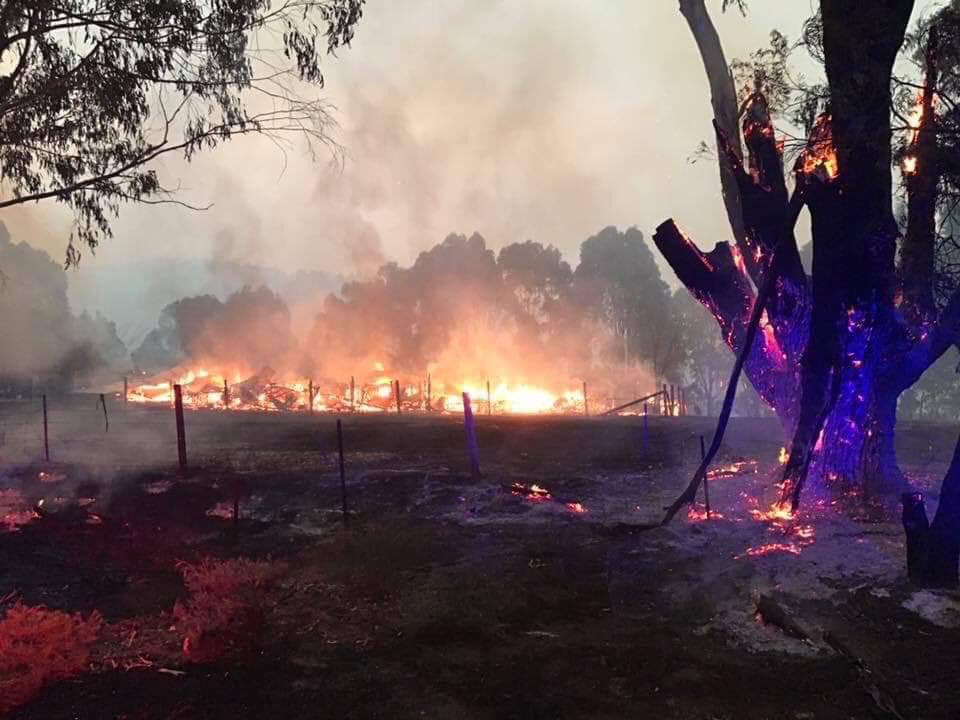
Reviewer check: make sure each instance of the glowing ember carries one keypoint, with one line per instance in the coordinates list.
(783, 456)
(738, 259)
(777, 512)
(14, 512)
(698, 513)
(731, 469)
(915, 119)
(769, 549)
(576, 507)
(771, 345)
(819, 158)
(534, 493)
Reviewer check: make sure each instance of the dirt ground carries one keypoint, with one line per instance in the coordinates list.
(444, 597)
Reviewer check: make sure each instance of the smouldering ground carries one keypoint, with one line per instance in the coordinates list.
(448, 598)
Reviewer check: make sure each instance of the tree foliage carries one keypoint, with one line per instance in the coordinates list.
(93, 91)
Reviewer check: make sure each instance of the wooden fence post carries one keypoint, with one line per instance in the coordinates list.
(106, 420)
(473, 450)
(181, 431)
(706, 487)
(46, 437)
(343, 473)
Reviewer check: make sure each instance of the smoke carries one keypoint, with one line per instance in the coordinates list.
(247, 333)
(45, 345)
(545, 119)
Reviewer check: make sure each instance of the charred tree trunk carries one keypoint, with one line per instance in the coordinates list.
(933, 549)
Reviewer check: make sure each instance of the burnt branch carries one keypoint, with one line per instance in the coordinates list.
(758, 311)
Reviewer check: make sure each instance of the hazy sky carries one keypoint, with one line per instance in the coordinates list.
(520, 119)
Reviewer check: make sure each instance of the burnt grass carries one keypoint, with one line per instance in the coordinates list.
(416, 607)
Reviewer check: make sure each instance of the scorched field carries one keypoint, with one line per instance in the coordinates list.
(239, 588)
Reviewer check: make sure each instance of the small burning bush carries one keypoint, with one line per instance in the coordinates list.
(225, 612)
(40, 646)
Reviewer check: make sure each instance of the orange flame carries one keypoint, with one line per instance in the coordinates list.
(819, 158)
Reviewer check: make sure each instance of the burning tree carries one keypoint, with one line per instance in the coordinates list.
(832, 352)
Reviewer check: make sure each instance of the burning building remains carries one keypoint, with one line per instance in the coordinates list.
(519, 330)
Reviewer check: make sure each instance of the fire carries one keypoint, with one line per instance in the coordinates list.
(771, 345)
(783, 456)
(734, 468)
(265, 391)
(698, 513)
(769, 549)
(534, 493)
(915, 120)
(14, 511)
(576, 507)
(777, 512)
(819, 158)
(738, 259)
(521, 399)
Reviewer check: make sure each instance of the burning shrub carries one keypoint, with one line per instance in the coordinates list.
(227, 606)
(39, 646)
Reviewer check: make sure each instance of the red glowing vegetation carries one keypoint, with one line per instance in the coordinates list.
(228, 603)
(39, 646)
(14, 511)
